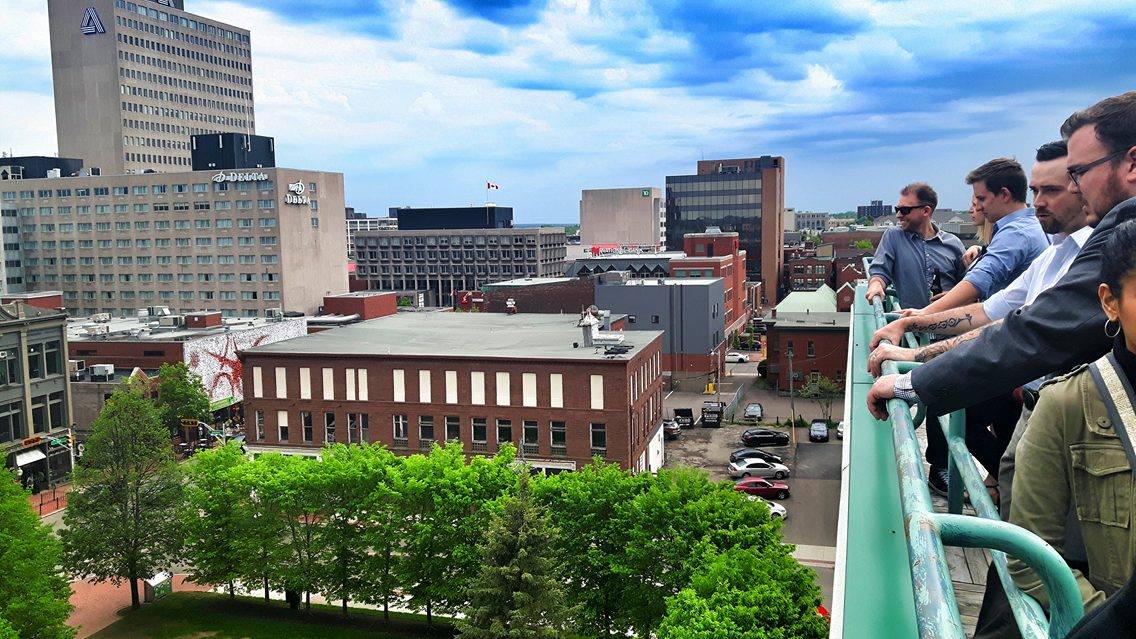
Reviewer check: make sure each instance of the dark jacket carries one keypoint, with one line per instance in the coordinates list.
(1064, 327)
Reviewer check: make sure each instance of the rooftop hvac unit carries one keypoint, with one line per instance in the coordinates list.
(171, 320)
(100, 317)
(97, 329)
(76, 369)
(54, 173)
(158, 311)
(102, 372)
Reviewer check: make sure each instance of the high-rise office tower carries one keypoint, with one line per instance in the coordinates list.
(744, 195)
(133, 80)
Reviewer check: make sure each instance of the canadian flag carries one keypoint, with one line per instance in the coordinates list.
(490, 185)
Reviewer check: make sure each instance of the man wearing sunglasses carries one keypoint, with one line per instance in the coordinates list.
(917, 255)
(1063, 327)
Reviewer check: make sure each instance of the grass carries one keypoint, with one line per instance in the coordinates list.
(199, 615)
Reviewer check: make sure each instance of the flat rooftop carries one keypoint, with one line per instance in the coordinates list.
(474, 335)
(139, 329)
(833, 321)
(669, 281)
(633, 255)
(532, 281)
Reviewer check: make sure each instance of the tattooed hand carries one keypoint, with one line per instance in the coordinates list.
(885, 352)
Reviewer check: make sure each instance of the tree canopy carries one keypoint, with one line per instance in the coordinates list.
(180, 396)
(34, 594)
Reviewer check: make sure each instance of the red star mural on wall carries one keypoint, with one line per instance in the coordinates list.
(229, 369)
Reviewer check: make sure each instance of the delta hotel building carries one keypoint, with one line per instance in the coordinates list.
(144, 94)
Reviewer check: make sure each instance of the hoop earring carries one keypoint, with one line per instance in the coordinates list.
(1113, 334)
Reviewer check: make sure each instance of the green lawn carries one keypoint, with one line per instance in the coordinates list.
(201, 615)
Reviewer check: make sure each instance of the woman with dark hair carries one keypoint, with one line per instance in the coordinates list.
(1077, 449)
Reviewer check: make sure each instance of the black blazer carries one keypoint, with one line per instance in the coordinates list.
(1063, 328)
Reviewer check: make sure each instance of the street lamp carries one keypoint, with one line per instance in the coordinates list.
(792, 401)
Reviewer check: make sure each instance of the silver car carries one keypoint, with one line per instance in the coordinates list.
(754, 412)
(753, 467)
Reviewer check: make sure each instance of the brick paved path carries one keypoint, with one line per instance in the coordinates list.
(97, 605)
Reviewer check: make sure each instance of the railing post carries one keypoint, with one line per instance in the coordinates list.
(955, 431)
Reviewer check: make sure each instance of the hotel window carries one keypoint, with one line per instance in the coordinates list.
(453, 428)
(329, 428)
(282, 425)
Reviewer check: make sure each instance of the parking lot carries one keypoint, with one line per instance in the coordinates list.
(814, 481)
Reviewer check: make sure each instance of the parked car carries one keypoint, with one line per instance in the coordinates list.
(754, 411)
(840, 430)
(671, 429)
(712, 414)
(818, 431)
(757, 468)
(763, 488)
(776, 510)
(734, 356)
(754, 437)
(755, 453)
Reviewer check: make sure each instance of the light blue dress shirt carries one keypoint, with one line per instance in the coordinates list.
(1018, 240)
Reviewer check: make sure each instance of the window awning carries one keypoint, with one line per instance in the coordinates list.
(29, 456)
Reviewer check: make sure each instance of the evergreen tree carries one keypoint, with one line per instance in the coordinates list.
(517, 594)
(33, 592)
(121, 518)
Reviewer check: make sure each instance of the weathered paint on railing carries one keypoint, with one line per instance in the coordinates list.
(933, 603)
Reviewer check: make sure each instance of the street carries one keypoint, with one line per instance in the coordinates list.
(815, 467)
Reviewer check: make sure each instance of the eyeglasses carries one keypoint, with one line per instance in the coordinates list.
(1076, 171)
(904, 210)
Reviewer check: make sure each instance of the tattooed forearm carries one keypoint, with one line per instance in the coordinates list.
(950, 322)
(931, 351)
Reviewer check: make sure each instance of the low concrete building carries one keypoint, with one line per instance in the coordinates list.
(562, 393)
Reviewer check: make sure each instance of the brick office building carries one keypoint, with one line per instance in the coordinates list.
(414, 379)
(806, 328)
(717, 254)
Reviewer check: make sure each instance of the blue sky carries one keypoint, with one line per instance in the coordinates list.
(419, 102)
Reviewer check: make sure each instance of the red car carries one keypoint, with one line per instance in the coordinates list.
(762, 487)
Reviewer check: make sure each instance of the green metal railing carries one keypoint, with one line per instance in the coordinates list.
(931, 609)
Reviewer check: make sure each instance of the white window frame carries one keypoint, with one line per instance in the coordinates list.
(597, 392)
(528, 389)
(502, 388)
(350, 377)
(477, 388)
(305, 383)
(556, 390)
(451, 387)
(257, 382)
(424, 386)
(281, 382)
(399, 377)
(328, 384)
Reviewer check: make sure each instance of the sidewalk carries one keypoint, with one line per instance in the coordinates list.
(97, 605)
(50, 501)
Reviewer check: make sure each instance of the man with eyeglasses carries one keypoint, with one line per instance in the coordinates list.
(1064, 326)
(917, 256)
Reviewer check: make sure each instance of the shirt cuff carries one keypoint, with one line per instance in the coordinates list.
(904, 390)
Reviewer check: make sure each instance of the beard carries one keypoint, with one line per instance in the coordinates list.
(1112, 194)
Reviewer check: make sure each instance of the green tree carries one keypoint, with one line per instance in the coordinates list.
(587, 507)
(356, 499)
(517, 594)
(293, 485)
(670, 526)
(121, 519)
(34, 593)
(384, 531)
(263, 548)
(746, 593)
(180, 396)
(441, 498)
(824, 392)
(215, 517)
(862, 244)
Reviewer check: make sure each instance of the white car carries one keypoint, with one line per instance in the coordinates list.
(754, 467)
(776, 510)
(736, 357)
(840, 430)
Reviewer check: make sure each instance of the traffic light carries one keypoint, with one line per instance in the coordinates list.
(70, 441)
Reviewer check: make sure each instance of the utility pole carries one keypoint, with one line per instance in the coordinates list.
(792, 402)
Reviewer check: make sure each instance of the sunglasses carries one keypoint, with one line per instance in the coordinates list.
(1076, 171)
(904, 210)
